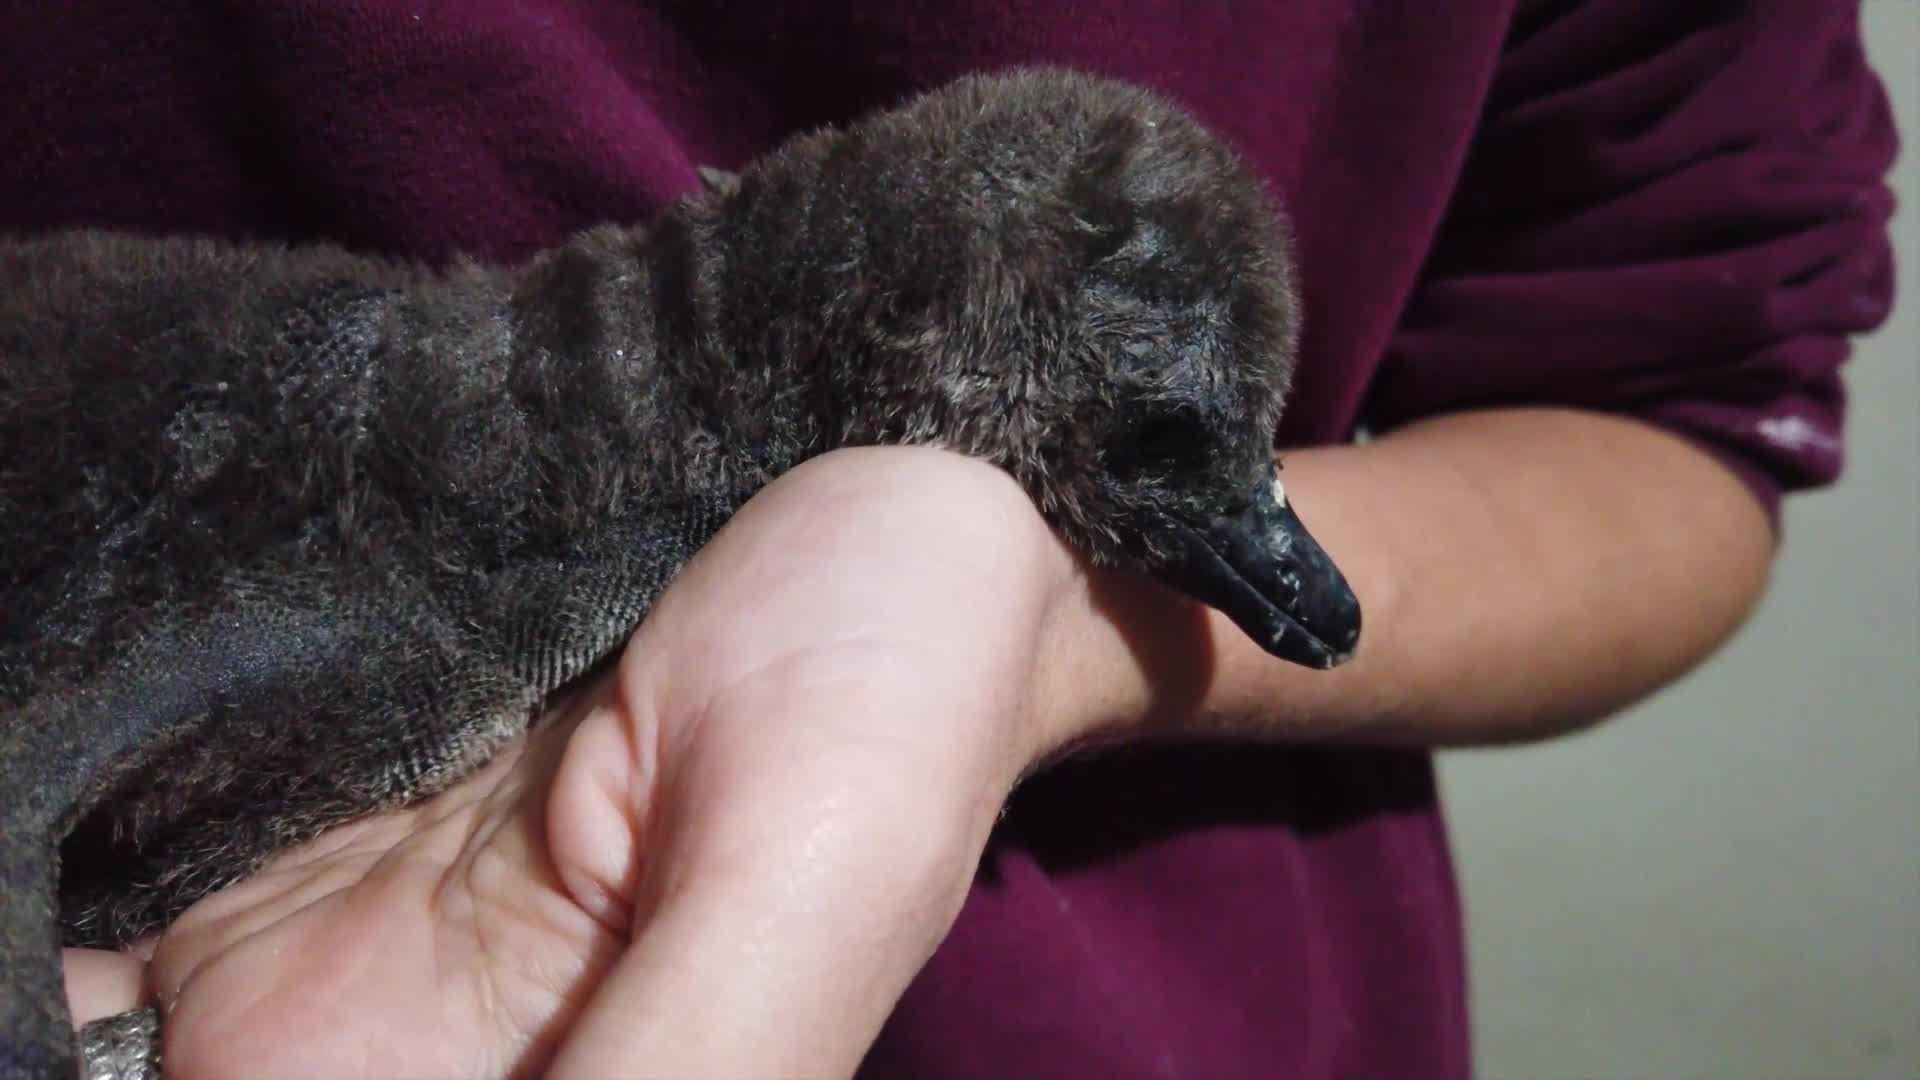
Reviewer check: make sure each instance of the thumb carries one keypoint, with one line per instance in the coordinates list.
(794, 886)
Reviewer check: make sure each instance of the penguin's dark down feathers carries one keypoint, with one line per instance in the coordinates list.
(292, 535)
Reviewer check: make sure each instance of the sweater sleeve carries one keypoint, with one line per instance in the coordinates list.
(1676, 212)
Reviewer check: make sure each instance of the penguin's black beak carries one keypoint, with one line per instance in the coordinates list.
(1261, 568)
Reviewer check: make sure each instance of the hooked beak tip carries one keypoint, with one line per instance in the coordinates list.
(1266, 572)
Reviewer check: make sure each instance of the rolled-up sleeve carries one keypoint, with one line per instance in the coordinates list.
(1676, 212)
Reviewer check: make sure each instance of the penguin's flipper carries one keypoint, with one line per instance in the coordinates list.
(332, 697)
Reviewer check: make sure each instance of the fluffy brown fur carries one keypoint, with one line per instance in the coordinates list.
(291, 535)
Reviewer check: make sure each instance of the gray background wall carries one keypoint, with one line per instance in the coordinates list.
(1725, 881)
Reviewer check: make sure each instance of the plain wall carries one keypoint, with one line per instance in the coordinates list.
(1725, 881)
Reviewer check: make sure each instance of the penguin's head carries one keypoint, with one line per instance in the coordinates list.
(1157, 337)
(1149, 435)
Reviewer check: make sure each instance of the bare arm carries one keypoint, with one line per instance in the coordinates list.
(1522, 572)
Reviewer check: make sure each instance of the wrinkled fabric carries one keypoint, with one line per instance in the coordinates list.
(1674, 212)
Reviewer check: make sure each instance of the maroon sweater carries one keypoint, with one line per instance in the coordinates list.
(1673, 211)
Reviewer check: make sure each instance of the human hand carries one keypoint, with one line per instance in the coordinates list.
(727, 859)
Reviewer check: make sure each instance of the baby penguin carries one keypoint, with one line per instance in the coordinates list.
(291, 536)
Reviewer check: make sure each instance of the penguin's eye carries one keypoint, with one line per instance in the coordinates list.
(1168, 437)
(1163, 442)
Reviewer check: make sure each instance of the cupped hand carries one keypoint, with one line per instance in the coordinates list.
(727, 859)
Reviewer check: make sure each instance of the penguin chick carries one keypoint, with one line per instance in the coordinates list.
(289, 536)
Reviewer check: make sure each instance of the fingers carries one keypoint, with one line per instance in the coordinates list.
(101, 983)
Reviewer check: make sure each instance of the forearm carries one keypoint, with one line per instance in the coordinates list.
(1521, 573)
